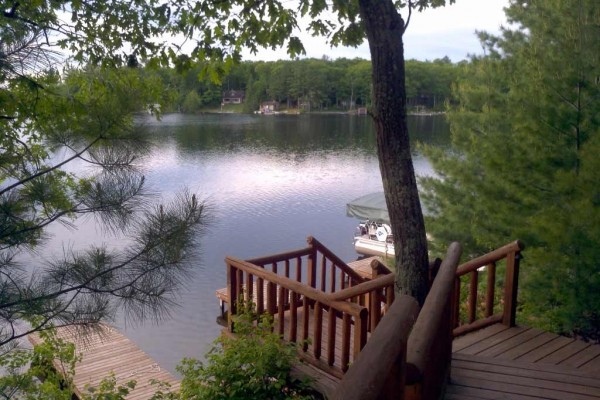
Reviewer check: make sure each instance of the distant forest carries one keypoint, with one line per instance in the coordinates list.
(308, 84)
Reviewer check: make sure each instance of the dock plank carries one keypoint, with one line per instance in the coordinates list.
(107, 351)
(363, 266)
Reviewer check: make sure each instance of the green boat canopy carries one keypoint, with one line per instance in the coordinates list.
(371, 206)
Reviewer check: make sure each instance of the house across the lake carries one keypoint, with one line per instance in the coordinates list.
(268, 107)
(233, 96)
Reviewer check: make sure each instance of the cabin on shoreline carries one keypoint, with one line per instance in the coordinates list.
(233, 97)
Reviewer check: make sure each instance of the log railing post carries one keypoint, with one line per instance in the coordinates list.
(429, 348)
(318, 330)
(473, 295)
(511, 288)
(511, 255)
(491, 289)
(312, 264)
(360, 331)
(232, 294)
(456, 303)
(379, 371)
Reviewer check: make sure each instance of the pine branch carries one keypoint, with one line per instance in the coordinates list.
(50, 169)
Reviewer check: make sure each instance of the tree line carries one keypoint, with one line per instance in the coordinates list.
(311, 84)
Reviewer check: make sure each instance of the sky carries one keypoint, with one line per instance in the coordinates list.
(433, 33)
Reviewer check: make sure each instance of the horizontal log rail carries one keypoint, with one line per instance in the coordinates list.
(288, 255)
(327, 255)
(380, 282)
(314, 265)
(380, 369)
(377, 294)
(284, 294)
(430, 342)
(511, 255)
(400, 363)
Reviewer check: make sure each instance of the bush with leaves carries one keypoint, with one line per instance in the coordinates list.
(255, 364)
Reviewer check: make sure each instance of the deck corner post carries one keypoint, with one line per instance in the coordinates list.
(231, 293)
(511, 288)
(360, 331)
(312, 261)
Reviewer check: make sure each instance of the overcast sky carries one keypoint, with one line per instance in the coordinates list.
(434, 33)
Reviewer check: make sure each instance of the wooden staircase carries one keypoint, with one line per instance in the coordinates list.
(359, 342)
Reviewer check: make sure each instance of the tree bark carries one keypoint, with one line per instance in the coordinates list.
(384, 27)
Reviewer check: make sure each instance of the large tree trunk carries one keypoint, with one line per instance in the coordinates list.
(385, 27)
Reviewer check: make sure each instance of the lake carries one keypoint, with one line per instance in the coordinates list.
(271, 182)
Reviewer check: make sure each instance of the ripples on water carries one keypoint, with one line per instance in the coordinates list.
(272, 181)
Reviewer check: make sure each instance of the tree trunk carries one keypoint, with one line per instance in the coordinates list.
(384, 27)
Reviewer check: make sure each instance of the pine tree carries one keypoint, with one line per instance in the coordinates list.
(524, 159)
(87, 114)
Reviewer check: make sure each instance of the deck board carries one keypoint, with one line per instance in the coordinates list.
(491, 341)
(584, 356)
(548, 348)
(462, 342)
(109, 351)
(499, 349)
(565, 352)
(527, 369)
(593, 366)
(528, 346)
(523, 363)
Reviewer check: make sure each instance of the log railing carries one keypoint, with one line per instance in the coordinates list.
(480, 312)
(315, 265)
(396, 365)
(379, 371)
(313, 315)
(377, 294)
(430, 342)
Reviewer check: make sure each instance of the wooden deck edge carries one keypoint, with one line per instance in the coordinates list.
(316, 378)
(550, 368)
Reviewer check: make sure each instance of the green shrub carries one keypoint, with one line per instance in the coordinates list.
(255, 364)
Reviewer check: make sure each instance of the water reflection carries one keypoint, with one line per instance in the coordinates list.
(272, 180)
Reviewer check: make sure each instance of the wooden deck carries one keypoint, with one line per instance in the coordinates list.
(510, 363)
(109, 351)
(523, 363)
(497, 362)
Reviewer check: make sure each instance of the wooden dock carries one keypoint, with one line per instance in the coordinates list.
(109, 351)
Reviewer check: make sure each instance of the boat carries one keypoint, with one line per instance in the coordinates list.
(373, 236)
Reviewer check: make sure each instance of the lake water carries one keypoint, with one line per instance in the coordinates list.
(272, 181)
